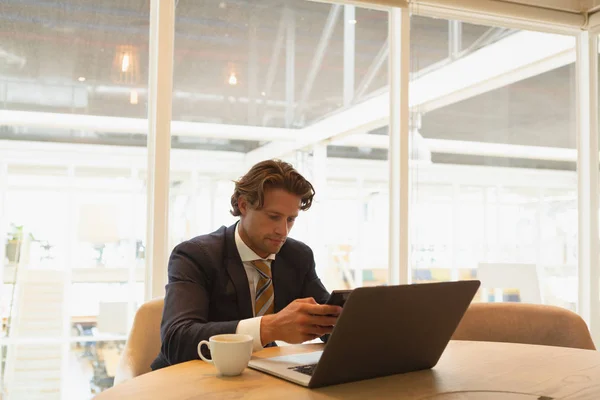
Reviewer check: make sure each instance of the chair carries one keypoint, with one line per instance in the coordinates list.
(524, 323)
(143, 343)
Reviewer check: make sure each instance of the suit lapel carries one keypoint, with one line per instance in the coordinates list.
(237, 274)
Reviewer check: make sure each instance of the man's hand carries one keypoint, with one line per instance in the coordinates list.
(300, 321)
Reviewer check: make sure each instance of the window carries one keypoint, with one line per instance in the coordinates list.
(256, 76)
(493, 177)
(73, 93)
(497, 143)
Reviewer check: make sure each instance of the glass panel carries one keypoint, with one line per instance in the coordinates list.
(512, 210)
(432, 237)
(93, 365)
(73, 94)
(252, 66)
(559, 247)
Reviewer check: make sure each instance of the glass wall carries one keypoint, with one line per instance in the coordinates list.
(73, 93)
(493, 164)
(492, 159)
(250, 75)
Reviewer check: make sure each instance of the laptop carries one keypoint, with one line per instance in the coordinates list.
(381, 331)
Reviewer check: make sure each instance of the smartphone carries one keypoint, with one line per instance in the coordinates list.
(338, 297)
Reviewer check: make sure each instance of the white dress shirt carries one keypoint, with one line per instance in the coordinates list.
(250, 326)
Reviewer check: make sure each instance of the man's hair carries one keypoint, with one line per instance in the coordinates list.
(271, 174)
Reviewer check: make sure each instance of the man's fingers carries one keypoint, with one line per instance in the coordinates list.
(321, 320)
(323, 309)
(313, 320)
(307, 300)
(319, 330)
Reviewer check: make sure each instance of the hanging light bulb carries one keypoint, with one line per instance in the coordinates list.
(232, 79)
(125, 63)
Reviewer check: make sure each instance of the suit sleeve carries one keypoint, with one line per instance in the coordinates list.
(185, 315)
(313, 287)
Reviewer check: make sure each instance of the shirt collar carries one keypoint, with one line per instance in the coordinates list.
(246, 253)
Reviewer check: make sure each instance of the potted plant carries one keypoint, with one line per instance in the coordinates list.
(14, 243)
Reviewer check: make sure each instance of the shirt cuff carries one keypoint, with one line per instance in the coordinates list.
(251, 326)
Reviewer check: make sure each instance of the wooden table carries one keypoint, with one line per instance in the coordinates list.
(467, 370)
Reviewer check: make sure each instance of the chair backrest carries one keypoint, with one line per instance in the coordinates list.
(524, 323)
(143, 343)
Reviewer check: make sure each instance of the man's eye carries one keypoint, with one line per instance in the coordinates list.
(274, 217)
(291, 219)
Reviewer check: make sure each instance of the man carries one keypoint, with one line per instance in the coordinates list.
(250, 277)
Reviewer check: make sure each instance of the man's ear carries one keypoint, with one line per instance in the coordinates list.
(243, 205)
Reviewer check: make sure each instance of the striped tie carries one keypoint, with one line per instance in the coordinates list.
(264, 301)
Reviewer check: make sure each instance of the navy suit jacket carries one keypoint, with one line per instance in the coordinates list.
(208, 291)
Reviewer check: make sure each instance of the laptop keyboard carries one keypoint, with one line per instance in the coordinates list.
(305, 369)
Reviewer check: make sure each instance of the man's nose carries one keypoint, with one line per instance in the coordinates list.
(282, 228)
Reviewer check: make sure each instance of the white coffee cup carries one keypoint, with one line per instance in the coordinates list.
(230, 352)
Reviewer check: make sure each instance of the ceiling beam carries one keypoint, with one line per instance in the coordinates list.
(34, 85)
(349, 54)
(372, 72)
(252, 70)
(127, 126)
(219, 131)
(275, 56)
(315, 64)
(558, 60)
(290, 66)
(592, 5)
(40, 155)
(446, 146)
(12, 58)
(43, 154)
(514, 58)
(489, 36)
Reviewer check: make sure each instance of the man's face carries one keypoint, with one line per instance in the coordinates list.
(266, 230)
